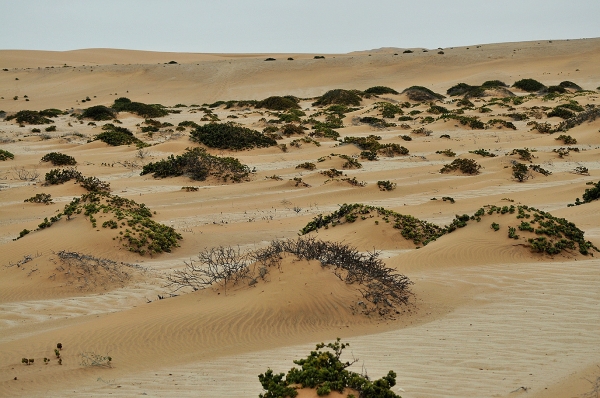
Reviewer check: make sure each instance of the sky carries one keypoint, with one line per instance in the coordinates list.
(288, 26)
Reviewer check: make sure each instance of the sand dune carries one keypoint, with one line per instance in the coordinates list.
(488, 316)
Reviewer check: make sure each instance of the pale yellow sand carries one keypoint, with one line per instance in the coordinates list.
(487, 318)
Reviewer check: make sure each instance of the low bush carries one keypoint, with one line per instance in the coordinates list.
(386, 185)
(60, 176)
(325, 372)
(493, 84)
(198, 165)
(588, 115)
(388, 110)
(420, 93)
(448, 152)
(529, 85)
(50, 128)
(524, 154)
(339, 96)
(379, 90)
(116, 136)
(277, 103)
(307, 166)
(230, 136)
(561, 112)
(520, 171)
(465, 166)
(471, 121)
(556, 90)
(590, 194)
(30, 117)
(501, 122)
(463, 89)
(40, 198)
(144, 110)
(571, 85)
(59, 159)
(371, 144)
(437, 110)
(99, 112)
(483, 152)
(566, 139)
(537, 168)
(5, 155)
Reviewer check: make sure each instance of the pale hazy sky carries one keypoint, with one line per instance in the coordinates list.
(312, 26)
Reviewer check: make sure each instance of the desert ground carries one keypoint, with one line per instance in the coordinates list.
(489, 314)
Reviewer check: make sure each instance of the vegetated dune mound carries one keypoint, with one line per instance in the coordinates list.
(420, 93)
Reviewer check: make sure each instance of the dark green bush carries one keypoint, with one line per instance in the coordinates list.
(198, 165)
(437, 110)
(556, 90)
(483, 152)
(407, 52)
(40, 198)
(561, 112)
(144, 110)
(59, 159)
(493, 84)
(519, 171)
(50, 128)
(339, 96)
(230, 136)
(307, 166)
(116, 136)
(448, 152)
(529, 85)
(571, 85)
(29, 117)
(465, 166)
(379, 90)
(420, 93)
(573, 106)
(60, 176)
(460, 89)
(5, 155)
(386, 185)
(99, 112)
(278, 103)
(471, 121)
(567, 139)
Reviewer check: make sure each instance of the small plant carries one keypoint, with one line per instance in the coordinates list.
(483, 152)
(566, 139)
(512, 233)
(57, 352)
(447, 152)
(581, 170)
(537, 168)
(529, 85)
(495, 226)
(407, 137)
(421, 94)
(189, 189)
(386, 185)
(519, 171)
(448, 199)
(5, 155)
(116, 136)
(50, 128)
(40, 198)
(59, 159)
(465, 166)
(379, 90)
(306, 166)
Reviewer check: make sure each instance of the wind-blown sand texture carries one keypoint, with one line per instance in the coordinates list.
(489, 317)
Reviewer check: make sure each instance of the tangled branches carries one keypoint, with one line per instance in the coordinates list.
(378, 284)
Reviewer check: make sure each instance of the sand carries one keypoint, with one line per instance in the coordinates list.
(488, 317)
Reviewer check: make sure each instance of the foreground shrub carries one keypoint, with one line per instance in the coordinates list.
(566, 139)
(325, 372)
(520, 171)
(339, 96)
(590, 194)
(529, 85)
(5, 155)
(278, 103)
(420, 93)
(230, 136)
(561, 112)
(40, 198)
(116, 136)
(99, 112)
(465, 166)
(198, 165)
(379, 90)
(589, 115)
(60, 176)
(144, 110)
(59, 159)
(30, 117)
(386, 185)
(371, 144)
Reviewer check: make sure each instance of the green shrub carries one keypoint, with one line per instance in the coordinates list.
(471, 121)
(571, 85)
(561, 112)
(5, 155)
(50, 128)
(230, 136)
(373, 121)
(30, 117)
(448, 152)
(339, 96)
(567, 139)
(538, 169)
(386, 185)
(483, 152)
(99, 112)
(462, 89)
(465, 166)
(198, 165)
(495, 226)
(144, 110)
(524, 154)
(291, 129)
(307, 166)
(60, 176)
(437, 110)
(407, 52)
(40, 198)
(379, 90)
(529, 85)
(519, 171)
(556, 90)
(277, 103)
(116, 136)
(493, 84)
(504, 123)
(388, 110)
(59, 159)
(420, 93)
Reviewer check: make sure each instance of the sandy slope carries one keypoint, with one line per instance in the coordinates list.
(488, 316)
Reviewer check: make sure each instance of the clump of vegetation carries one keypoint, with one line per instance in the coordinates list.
(32, 117)
(471, 121)
(570, 85)
(561, 112)
(406, 137)
(483, 152)
(524, 154)
(59, 159)
(189, 189)
(307, 166)
(422, 131)
(198, 165)
(5, 155)
(589, 115)
(339, 96)
(411, 228)
(325, 372)
(529, 85)
(437, 110)
(520, 171)
(375, 122)
(99, 112)
(40, 198)
(465, 166)
(421, 94)
(465, 89)
(144, 110)
(386, 185)
(448, 152)
(332, 173)
(566, 139)
(379, 90)
(277, 103)
(501, 122)
(544, 128)
(538, 169)
(50, 128)
(60, 176)
(590, 194)
(230, 136)
(116, 136)
(372, 145)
